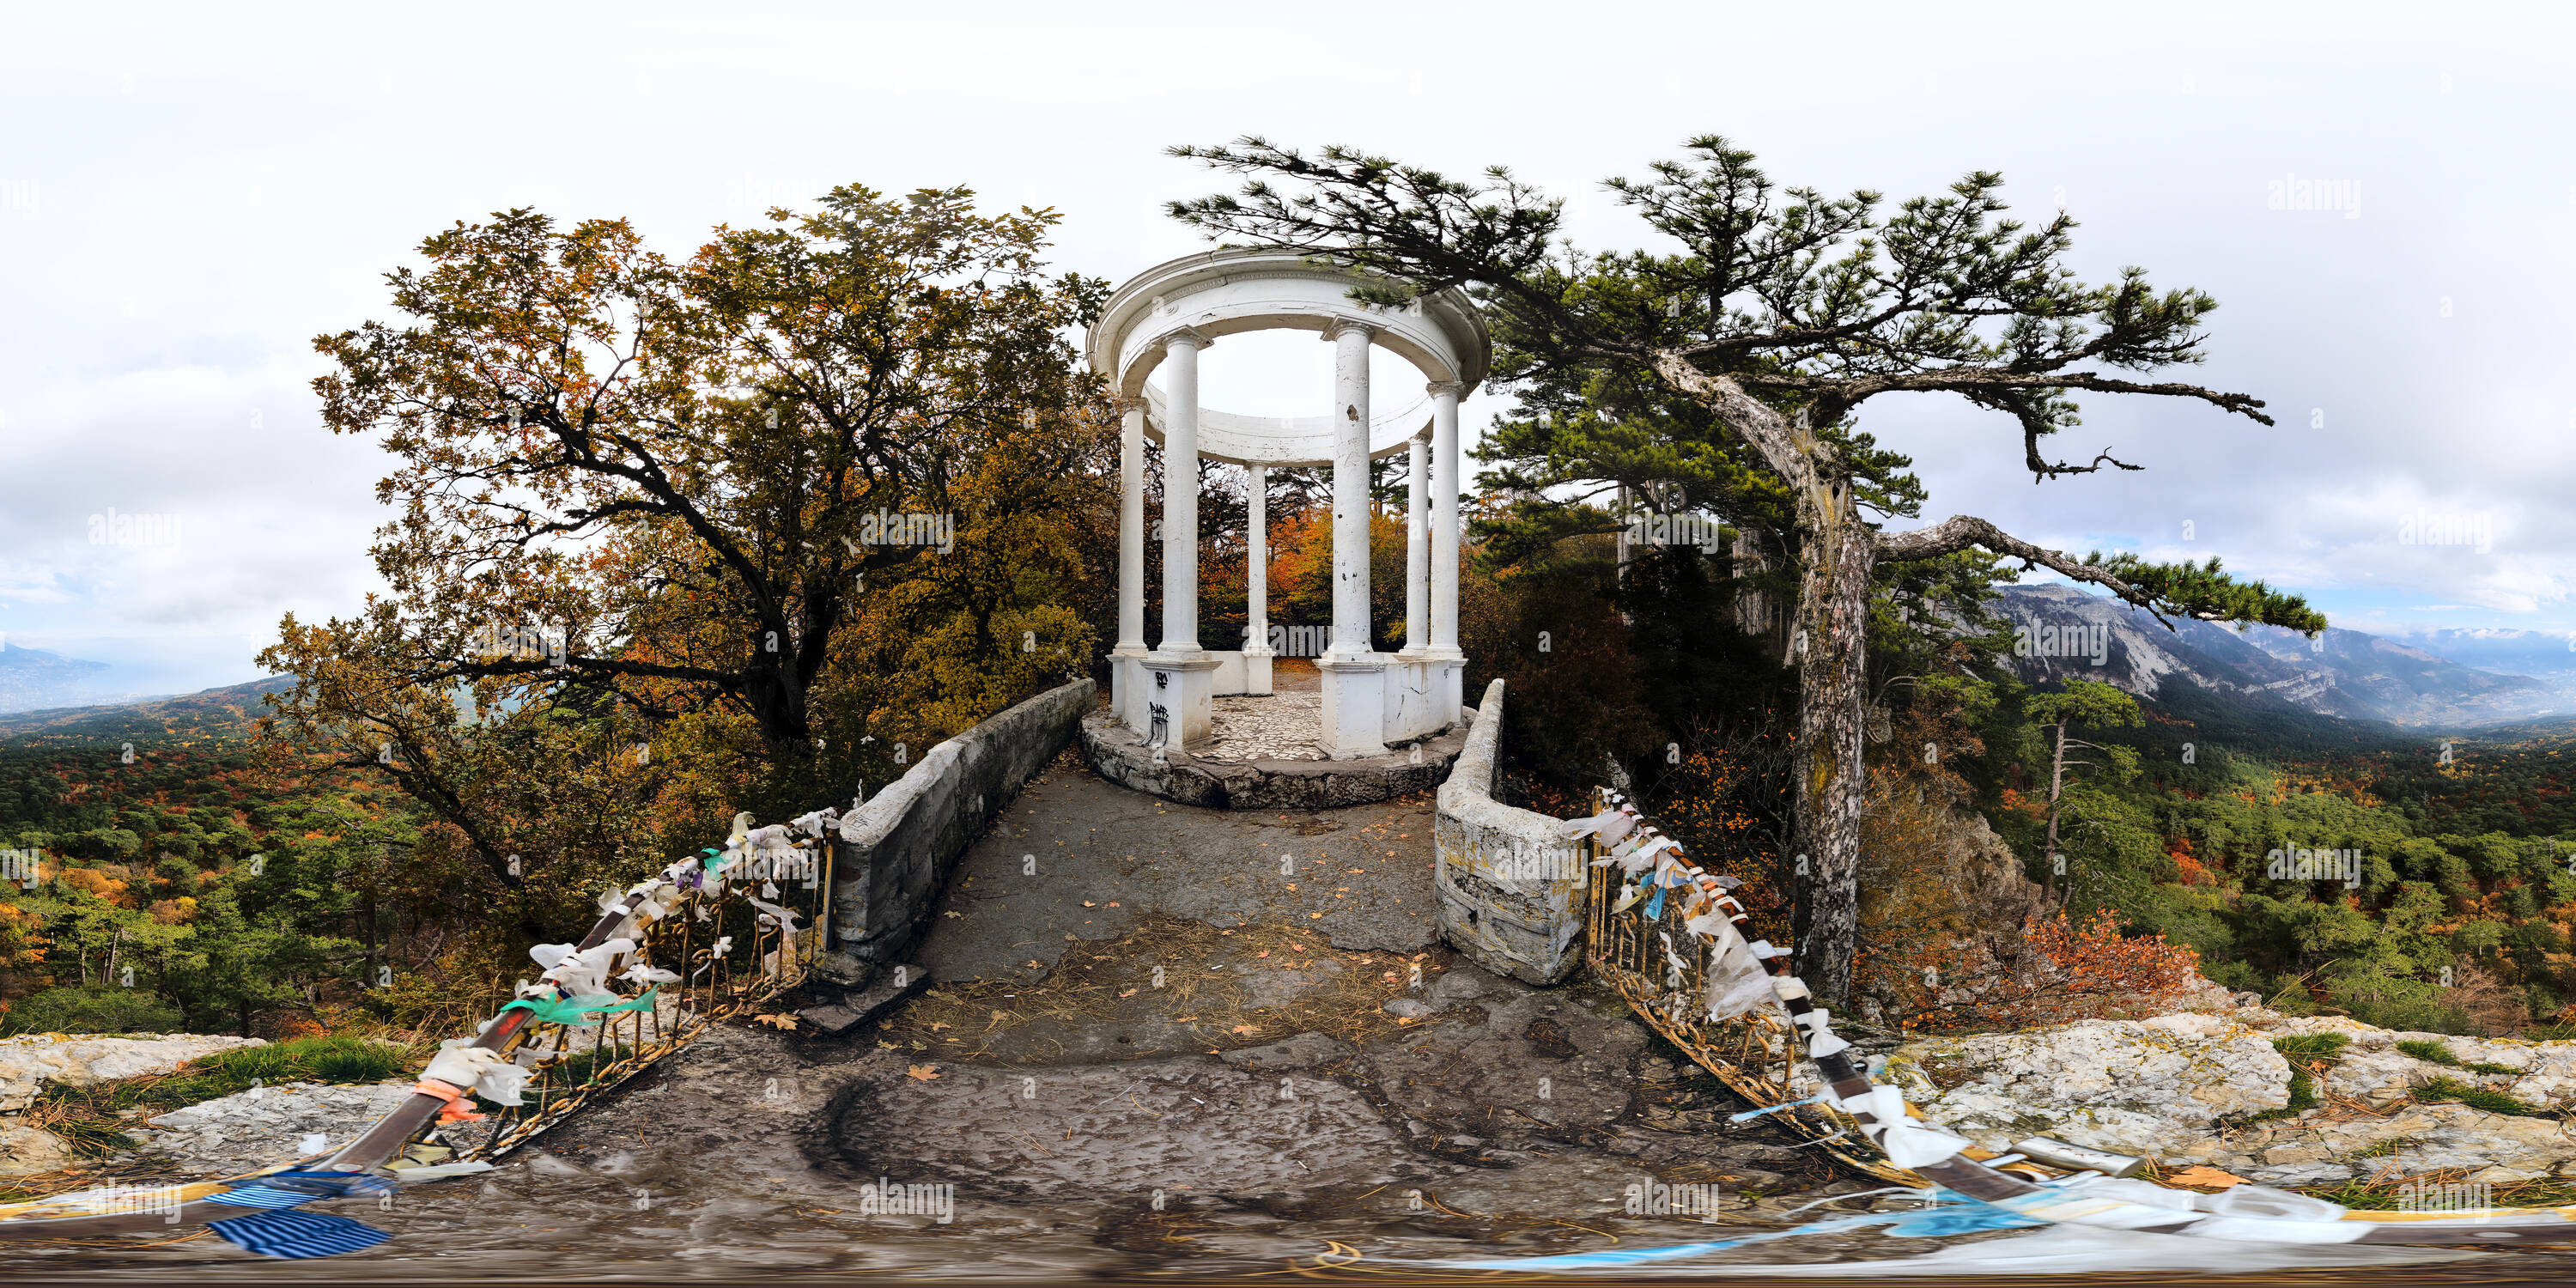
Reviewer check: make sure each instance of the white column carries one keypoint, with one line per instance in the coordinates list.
(1353, 673)
(1448, 666)
(1351, 636)
(1178, 679)
(1257, 652)
(1125, 679)
(1417, 548)
(1181, 493)
(1445, 532)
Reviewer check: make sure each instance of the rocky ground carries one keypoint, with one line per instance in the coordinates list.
(266, 1126)
(1159, 1034)
(29, 1061)
(2212, 1090)
(1156, 1036)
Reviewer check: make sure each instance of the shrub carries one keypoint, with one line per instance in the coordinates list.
(91, 1009)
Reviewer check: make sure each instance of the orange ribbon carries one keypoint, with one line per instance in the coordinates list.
(455, 1112)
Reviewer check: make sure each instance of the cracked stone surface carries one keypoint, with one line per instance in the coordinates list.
(265, 1126)
(1287, 725)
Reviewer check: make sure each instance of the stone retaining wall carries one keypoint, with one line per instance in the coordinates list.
(1508, 887)
(896, 850)
(1123, 758)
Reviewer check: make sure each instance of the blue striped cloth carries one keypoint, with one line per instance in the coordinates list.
(263, 1196)
(290, 1235)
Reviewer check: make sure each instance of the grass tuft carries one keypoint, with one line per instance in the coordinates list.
(2444, 1091)
(2440, 1053)
(2301, 1051)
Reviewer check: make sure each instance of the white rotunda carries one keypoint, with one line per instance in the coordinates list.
(1147, 344)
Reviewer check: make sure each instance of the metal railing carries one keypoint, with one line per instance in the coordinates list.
(729, 957)
(1660, 968)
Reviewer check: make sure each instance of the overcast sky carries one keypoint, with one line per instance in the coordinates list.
(189, 194)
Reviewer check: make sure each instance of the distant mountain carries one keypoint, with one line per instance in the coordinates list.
(32, 678)
(2351, 675)
(214, 713)
(2547, 656)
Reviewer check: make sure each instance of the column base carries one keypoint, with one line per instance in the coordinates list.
(1126, 684)
(1355, 695)
(1256, 669)
(1178, 691)
(1446, 677)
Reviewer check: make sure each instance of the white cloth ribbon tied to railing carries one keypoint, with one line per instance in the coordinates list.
(1607, 826)
(485, 1072)
(583, 973)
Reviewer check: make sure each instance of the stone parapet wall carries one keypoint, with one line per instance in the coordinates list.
(895, 851)
(1508, 886)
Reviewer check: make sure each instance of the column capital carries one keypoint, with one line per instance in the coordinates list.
(1191, 336)
(1127, 405)
(1334, 328)
(1453, 388)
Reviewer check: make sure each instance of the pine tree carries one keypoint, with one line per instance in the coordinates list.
(1781, 314)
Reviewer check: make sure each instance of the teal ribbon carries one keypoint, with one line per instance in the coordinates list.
(578, 1010)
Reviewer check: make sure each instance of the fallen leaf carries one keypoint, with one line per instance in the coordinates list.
(1089, 904)
(1185, 1019)
(1113, 905)
(1245, 1029)
(777, 1021)
(937, 1025)
(2199, 1175)
(952, 913)
(1263, 953)
(924, 1072)
(1129, 993)
(1316, 916)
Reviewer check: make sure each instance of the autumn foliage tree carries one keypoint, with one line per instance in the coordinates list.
(643, 552)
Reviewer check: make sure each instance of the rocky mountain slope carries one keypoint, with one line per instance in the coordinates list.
(213, 713)
(2066, 633)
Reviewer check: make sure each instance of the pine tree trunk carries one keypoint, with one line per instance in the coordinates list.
(1831, 645)
(1829, 642)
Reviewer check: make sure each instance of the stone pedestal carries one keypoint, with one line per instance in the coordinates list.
(1179, 692)
(1445, 674)
(1355, 704)
(1256, 669)
(1127, 684)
